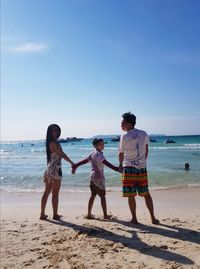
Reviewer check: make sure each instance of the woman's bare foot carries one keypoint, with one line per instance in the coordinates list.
(43, 217)
(155, 221)
(89, 217)
(57, 217)
(134, 221)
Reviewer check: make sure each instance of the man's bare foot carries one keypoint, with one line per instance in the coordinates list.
(89, 217)
(57, 217)
(134, 221)
(108, 217)
(155, 221)
(43, 217)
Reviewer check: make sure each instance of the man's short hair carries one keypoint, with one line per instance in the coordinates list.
(96, 141)
(130, 118)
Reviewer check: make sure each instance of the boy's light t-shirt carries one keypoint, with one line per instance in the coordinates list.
(133, 145)
(97, 168)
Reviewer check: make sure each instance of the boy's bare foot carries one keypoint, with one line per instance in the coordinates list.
(89, 217)
(155, 221)
(134, 221)
(43, 217)
(57, 217)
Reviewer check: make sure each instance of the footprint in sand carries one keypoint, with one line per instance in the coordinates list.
(35, 238)
(175, 220)
(34, 249)
(163, 247)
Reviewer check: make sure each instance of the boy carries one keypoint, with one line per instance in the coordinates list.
(133, 152)
(97, 179)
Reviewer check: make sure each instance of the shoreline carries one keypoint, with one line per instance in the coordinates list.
(75, 203)
(108, 189)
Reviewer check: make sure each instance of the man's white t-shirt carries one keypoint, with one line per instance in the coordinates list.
(133, 145)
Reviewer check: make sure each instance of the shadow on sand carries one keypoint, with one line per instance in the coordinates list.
(171, 231)
(135, 242)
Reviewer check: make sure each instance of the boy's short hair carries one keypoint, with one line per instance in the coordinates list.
(96, 141)
(130, 118)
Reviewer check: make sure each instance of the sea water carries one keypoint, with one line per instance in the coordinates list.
(23, 164)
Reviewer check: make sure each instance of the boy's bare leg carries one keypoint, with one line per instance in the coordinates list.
(149, 204)
(90, 205)
(104, 207)
(132, 206)
(44, 200)
(55, 193)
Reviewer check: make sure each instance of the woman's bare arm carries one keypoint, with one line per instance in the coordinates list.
(55, 147)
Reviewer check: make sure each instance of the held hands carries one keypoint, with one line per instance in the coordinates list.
(74, 167)
(120, 169)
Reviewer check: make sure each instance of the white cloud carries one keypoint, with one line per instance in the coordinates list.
(30, 47)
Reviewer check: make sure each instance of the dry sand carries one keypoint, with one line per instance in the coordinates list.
(75, 242)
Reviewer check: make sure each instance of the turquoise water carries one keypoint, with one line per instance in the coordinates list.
(23, 164)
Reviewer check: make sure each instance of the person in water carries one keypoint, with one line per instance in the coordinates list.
(53, 173)
(187, 166)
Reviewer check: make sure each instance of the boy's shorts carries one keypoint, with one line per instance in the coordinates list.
(134, 181)
(96, 190)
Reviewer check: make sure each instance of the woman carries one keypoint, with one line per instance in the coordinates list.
(53, 173)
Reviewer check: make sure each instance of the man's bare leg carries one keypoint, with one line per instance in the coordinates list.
(149, 204)
(132, 206)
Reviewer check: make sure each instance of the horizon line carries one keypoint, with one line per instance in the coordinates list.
(43, 139)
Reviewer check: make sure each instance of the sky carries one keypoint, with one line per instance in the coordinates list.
(83, 63)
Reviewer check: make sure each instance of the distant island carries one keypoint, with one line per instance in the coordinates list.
(157, 135)
(105, 136)
(70, 139)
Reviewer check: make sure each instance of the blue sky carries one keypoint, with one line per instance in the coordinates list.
(83, 63)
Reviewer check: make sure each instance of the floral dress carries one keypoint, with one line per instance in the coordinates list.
(53, 171)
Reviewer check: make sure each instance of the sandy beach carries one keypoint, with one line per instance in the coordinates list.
(78, 243)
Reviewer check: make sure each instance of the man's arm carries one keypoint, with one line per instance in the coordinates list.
(121, 158)
(147, 151)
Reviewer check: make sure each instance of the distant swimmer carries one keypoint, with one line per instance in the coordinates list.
(187, 166)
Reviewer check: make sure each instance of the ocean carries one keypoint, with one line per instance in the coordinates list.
(23, 164)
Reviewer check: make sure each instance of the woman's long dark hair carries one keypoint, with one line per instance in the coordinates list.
(50, 138)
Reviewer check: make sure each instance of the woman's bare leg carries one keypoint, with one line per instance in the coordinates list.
(44, 199)
(55, 197)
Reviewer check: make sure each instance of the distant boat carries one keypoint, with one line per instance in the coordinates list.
(153, 140)
(169, 141)
(115, 139)
(69, 139)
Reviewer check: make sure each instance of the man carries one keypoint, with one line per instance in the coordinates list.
(133, 152)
